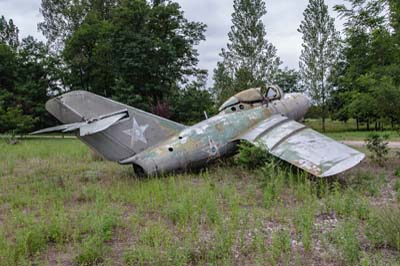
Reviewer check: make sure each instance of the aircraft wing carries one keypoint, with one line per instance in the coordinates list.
(303, 147)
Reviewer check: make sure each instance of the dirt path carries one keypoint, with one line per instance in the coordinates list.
(391, 144)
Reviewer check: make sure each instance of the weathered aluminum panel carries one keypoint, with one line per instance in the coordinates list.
(62, 128)
(126, 137)
(86, 128)
(263, 127)
(100, 125)
(275, 135)
(305, 148)
(157, 145)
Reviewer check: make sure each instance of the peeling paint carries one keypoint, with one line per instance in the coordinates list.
(158, 145)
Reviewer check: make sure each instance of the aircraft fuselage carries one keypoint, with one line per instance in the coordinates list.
(214, 137)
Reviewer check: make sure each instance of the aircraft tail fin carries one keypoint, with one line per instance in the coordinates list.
(114, 130)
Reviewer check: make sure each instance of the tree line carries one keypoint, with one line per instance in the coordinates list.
(143, 53)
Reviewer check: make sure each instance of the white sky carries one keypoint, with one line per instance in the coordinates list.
(281, 22)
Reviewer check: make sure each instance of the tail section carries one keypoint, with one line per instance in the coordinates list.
(114, 130)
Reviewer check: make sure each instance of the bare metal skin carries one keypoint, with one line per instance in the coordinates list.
(264, 117)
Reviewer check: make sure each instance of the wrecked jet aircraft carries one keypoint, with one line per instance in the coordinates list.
(154, 145)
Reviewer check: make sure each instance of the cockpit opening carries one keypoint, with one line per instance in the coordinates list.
(250, 98)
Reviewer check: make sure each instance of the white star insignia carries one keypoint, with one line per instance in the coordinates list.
(136, 132)
(212, 149)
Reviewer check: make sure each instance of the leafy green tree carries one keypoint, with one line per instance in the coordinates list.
(249, 59)
(153, 50)
(364, 108)
(63, 18)
(137, 53)
(190, 104)
(13, 121)
(8, 68)
(289, 80)
(34, 83)
(320, 52)
(88, 55)
(371, 62)
(394, 7)
(8, 60)
(25, 82)
(223, 87)
(387, 95)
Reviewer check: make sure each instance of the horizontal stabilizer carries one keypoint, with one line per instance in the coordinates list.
(303, 147)
(90, 127)
(62, 128)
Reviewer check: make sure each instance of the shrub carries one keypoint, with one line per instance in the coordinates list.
(13, 121)
(378, 146)
(251, 156)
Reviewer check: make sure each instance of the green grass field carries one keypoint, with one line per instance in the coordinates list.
(348, 131)
(59, 206)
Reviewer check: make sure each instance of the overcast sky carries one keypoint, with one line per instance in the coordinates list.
(282, 21)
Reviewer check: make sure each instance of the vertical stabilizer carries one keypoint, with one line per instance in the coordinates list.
(132, 134)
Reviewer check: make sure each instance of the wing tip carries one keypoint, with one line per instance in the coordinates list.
(344, 165)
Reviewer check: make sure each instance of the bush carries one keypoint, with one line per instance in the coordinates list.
(13, 121)
(378, 146)
(251, 156)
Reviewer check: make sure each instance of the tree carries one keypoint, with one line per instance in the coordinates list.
(88, 56)
(320, 52)
(135, 51)
(34, 83)
(153, 51)
(394, 7)
(8, 33)
(190, 103)
(369, 80)
(14, 122)
(63, 18)
(223, 84)
(289, 80)
(26, 79)
(8, 69)
(249, 60)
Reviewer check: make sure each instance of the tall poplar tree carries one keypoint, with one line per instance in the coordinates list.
(320, 52)
(9, 33)
(249, 59)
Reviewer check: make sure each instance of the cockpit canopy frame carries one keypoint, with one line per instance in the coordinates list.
(251, 98)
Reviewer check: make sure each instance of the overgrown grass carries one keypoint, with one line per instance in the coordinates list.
(59, 206)
(383, 228)
(345, 237)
